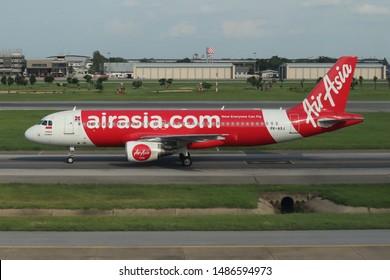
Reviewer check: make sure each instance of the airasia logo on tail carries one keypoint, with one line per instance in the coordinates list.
(141, 152)
(313, 107)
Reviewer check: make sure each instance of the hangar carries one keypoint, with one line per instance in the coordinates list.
(312, 71)
(184, 71)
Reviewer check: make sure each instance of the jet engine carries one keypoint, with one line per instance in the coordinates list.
(145, 151)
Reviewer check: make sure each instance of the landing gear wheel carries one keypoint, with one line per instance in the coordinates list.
(185, 160)
(70, 160)
(71, 155)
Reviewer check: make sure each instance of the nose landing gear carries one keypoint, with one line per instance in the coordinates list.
(71, 155)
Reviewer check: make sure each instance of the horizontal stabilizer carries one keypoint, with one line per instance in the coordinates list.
(329, 122)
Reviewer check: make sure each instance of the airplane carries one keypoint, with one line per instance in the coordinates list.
(148, 135)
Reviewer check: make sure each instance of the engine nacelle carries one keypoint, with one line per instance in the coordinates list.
(145, 151)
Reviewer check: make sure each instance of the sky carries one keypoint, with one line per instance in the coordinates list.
(181, 28)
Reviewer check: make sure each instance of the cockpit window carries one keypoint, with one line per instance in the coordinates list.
(45, 122)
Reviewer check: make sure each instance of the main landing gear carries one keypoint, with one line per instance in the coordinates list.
(71, 155)
(185, 159)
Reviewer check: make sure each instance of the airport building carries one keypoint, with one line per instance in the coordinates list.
(184, 71)
(176, 71)
(57, 66)
(12, 62)
(119, 70)
(312, 71)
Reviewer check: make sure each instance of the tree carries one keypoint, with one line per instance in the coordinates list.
(375, 80)
(256, 81)
(272, 63)
(99, 83)
(71, 70)
(10, 82)
(162, 81)
(361, 81)
(18, 80)
(32, 80)
(97, 63)
(75, 81)
(99, 86)
(49, 79)
(388, 80)
(137, 84)
(206, 86)
(165, 82)
(3, 80)
(88, 79)
(301, 82)
(117, 59)
(184, 60)
(354, 83)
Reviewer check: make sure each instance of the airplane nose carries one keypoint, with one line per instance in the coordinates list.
(30, 135)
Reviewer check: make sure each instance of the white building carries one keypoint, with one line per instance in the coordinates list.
(184, 71)
(313, 71)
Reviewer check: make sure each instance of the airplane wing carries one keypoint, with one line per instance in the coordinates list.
(184, 137)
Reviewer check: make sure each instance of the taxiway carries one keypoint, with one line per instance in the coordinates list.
(328, 245)
(267, 167)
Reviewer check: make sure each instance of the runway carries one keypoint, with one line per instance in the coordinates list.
(209, 167)
(337, 245)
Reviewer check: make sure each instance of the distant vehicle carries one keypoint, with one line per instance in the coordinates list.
(148, 135)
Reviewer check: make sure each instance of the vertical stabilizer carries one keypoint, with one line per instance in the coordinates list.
(331, 93)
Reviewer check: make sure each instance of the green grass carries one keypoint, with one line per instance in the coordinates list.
(63, 196)
(310, 221)
(237, 90)
(374, 133)
(84, 196)
(127, 196)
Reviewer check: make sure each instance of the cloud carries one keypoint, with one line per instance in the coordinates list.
(325, 3)
(121, 27)
(182, 29)
(129, 3)
(245, 29)
(371, 10)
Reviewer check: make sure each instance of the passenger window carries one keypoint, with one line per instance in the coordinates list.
(44, 123)
(50, 123)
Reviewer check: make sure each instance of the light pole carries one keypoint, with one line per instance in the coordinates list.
(254, 64)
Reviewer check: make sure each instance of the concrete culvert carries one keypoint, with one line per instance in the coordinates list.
(287, 205)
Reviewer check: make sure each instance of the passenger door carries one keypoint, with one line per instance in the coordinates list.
(69, 124)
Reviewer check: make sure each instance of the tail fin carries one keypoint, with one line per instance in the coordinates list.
(331, 93)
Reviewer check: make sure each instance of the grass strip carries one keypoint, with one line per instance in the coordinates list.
(107, 197)
(308, 221)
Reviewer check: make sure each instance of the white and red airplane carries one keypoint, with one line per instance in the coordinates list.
(150, 134)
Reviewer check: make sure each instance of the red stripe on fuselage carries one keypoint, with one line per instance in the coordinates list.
(113, 128)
